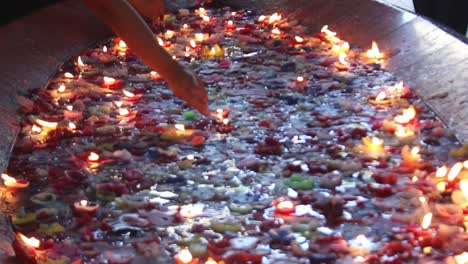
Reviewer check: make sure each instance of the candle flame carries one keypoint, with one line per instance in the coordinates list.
(210, 261)
(69, 107)
(93, 156)
(109, 80)
(8, 180)
(199, 37)
(80, 62)
(36, 129)
(43, 123)
(202, 11)
(465, 164)
(426, 221)
(276, 31)
(193, 44)
(441, 186)
(300, 79)
(184, 256)
(340, 48)
(122, 44)
(374, 52)
(462, 258)
(225, 121)
(261, 18)
(30, 241)
(274, 18)
(206, 18)
(83, 203)
(230, 23)
(342, 58)
(104, 49)
(61, 88)
(233, 13)
(362, 239)
(124, 112)
(68, 75)
(454, 171)
(403, 132)
(407, 116)
(327, 31)
(72, 126)
(377, 142)
(179, 127)
(441, 172)
(169, 34)
(185, 26)
(415, 151)
(128, 93)
(381, 96)
(285, 205)
(160, 41)
(190, 157)
(298, 39)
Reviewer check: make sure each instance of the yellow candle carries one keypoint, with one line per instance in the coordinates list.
(372, 148)
(410, 157)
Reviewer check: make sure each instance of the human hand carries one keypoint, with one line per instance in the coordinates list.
(149, 8)
(186, 85)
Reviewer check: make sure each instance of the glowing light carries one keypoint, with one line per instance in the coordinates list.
(202, 11)
(128, 93)
(122, 44)
(362, 240)
(118, 103)
(426, 221)
(381, 96)
(184, 256)
(225, 121)
(230, 23)
(403, 132)
(199, 37)
(11, 182)
(72, 126)
(441, 172)
(408, 115)
(275, 18)
(374, 52)
(464, 188)
(206, 18)
(36, 129)
(160, 41)
(233, 13)
(441, 186)
(69, 107)
(104, 49)
(109, 80)
(93, 157)
(179, 127)
(284, 207)
(465, 164)
(43, 123)
(62, 88)
(30, 241)
(276, 31)
(124, 112)
(185, 26)
(462, 258)
(298, 39)
(190, 157)
(210, 261)
(169, 34)
(69, 75)
(261, 18)
(454, 171)
(80, 62)
(342, 59)
(300, 79)
(193, 44)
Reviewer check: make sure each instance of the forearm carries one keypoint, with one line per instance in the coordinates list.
(126, 23)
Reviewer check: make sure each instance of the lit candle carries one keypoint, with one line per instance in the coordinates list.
(93, 157)
(410, 158)
(340, 48)
(111, 83)
(72, 126)
(128, 93)
(169, 34)
(216, 52)
(374, 52)
(298, 39)
(230, 25)
(30, 241)
(404, 133)
(426, 221)
(360, 245)
(211, 261)
(399, 90)
(85, 206)
(381, 99)
(185, 257)
(121, 47)
(68, 75)
(408, 115)
(372, 148)
(46, 124)
(284, 206)
(201, 11)
(330, 35)
(276, 17)
(104, 49)
(193, 44)
(460, 197)
(177, 134)
(124, 112)
(262, 18)
(276, 33)
(454, 171)
(35, 129)
(13, 183)
(300, 83)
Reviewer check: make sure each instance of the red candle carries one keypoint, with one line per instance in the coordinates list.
(230, 25)
(283, 206)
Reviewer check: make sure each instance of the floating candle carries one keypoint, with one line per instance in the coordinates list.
(69, 75)
(36, 129)
(104, 49)
(276, 32)
(399, 90)
(69, 107)
(284, 206)
(72, 126)
(185, 257)
(193, 44)
(374, 52)
(85, 206)
(342, 59)
(454, 171)
(230, 25)
(409, 114)
(93, 157)
(404, 133)
(441, 172)
(298, 39)
(262, 18)
(124, 112)
(206, 18)
(426, 221)
(410, 158)
(169, 34)
(13, 183)
(47, 124)
(128, 93)
(340, 48)
(30, 241)
(122, 45)
(275, 18)
(109, 80)
(372, 148)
